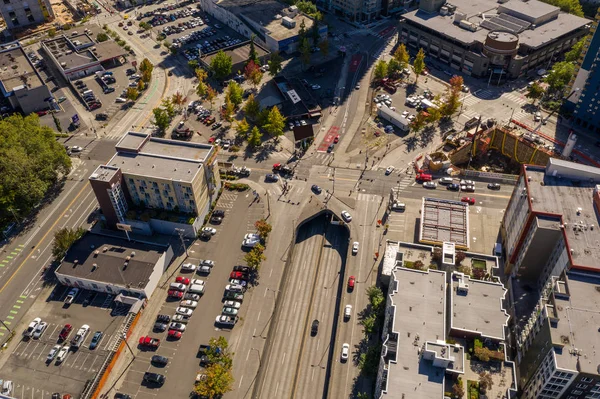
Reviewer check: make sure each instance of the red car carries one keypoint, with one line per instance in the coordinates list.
(238, 275)
(174, 334)
(175, 294)
(41, 113)
(150, 342)
(94, 106)
(336, 139)
(468, 200)
(351, 281)
(64, 333)
(182, 280)
(211, 140)
(277, 166)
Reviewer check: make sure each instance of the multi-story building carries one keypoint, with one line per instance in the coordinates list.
(156, 173)
(551, 221)
(20, 82)
(361, 11)
(583, 97)
(558, 357)
(492, 39)
(274, 25)
(17, 13)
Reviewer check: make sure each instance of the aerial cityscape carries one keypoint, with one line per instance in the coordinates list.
(300, 199)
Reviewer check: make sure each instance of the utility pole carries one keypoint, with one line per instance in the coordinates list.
(127, 343)
(180, 233)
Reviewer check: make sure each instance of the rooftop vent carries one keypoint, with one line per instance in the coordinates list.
(96, 253)
(94, 266)
(104, 249)
(132, 254)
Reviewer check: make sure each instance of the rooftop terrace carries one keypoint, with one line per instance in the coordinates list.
(444, 221)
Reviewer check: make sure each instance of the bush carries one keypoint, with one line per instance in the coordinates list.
(460, 256)
(191, 220)
(236, 186)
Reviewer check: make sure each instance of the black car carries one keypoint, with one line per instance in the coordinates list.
(163, 318)
(243, 269)
(316, 189)
(219, 212)
(453, 187)
(158, 326)
(122, 396)
(216, 219)
(493, 186)
(159, 360)
(154, 378)
(330, 148)
(314, 328)
(101, 117)
(109, 90)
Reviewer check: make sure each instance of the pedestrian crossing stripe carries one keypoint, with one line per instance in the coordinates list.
(10, 317)
(23, 296)
(16, 307)
(14, 312)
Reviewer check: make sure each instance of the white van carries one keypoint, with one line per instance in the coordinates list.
(196, 289)
(7, 388)
(399, 206)
(446, 180)
(87, 92)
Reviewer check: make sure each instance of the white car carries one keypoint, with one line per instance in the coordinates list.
(227, 321)
(355, 248)
(32, 326)
(71, 295)
(345, 352)
(252, 236)
(197, 281)
(235, 281)
(404, 114)
(193, 297)
(250, 243)
(429, 184)
(184, 311)
(121, 99)
(207, 262)
(232, 304)
(347, 312)
(177, 326)
(209, 230)
(411, 117)
(62, 354)
(315, 87)
(188, 267)
(178, 287)
(76, 148)
(389, 170)
(53, 352)
(39, 330)
(189, 303)
(346, 216)
(180, 318)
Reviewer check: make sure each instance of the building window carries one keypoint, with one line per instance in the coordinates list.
(31, 18)
(577, 392)
(582, 386)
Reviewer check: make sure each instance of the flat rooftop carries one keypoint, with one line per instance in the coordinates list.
(543, 33)
(419, 316)
(444, 221)
(16, 69)
(104, 173)
(142, 155)
(571, 200)
(108, 50)
(112, 253)
(577, 327)
(264, 14)
(237, 54)
(67, 57)
(478, 308)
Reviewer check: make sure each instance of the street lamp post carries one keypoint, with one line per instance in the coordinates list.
(258, 354)
(180, 233)
(127, 343)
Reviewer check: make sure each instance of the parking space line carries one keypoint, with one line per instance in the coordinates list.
(33, 351)
(84, 360)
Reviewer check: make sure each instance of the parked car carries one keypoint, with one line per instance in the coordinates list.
(188, 303)
(154, 378)
(351, 282)
(32, 326)
(64, 333)
(225, 321)
(149, 342)
(53, 352)
(39, 330)
(62, 354)
(160, 327)
(159, 360)
(175, 294)
(188, 267)
(494, 186)
(346, 216)
(163, 318)
(468, 200)
(80, 336)
(184, 311)
(96, 339)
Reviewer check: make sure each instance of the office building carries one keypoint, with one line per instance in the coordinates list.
(115, 266)
(583, 98)
(492, 39)
(274, 25)
(20, 82)
(558, 350)
(147, 172)
(551, 222)
(18, 14)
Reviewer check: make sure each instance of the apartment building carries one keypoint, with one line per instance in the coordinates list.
(557, 350)
(149, 172)
(491, 39)
(551, 222)
(18, 13)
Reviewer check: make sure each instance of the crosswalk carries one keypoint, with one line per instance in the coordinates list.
(323, 157)
(515, 98)
(294, 190)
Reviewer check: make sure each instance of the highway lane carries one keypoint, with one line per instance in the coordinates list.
(280, 362)
(317, 352)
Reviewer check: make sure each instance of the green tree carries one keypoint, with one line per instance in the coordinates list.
(169, 107)
(275, 123)
(221, 65)
(560, 75)
(52, 33)
(242, 128)
(419, 64)
(575, 52)
(456, 84)
(132, 94)
(418, 123)
(218, 352)
(227, 111)
(100, 37)
(314, 33)
(305, 51)
(211, 94)
(275, 64)
(324, 47)
(252, 54)
(31, 161)
(369, 323)
(434, 115)
(63, 239)
(145, 26)
(255, 257)
(263, 228)
(146, 65)
(235, 93)
(401, 55)
(302, 30)
(201, 74)
(535, 92)
(376, 297)
(193, 64)
(362, 395)
(457, 389)
(254, 140)
(161, 119)
(178, 99)
(201, 89)
(217, 383)
(381, 70)
(252, 107)
(253, 73)
(570, 6)
(393, 67)
(369, 362)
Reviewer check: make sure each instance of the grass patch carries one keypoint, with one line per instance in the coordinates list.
(478, 264)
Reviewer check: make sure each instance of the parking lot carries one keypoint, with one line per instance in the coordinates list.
(224, 248)
(27, 365)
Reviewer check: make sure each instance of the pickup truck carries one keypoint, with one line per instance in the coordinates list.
(149, 342)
